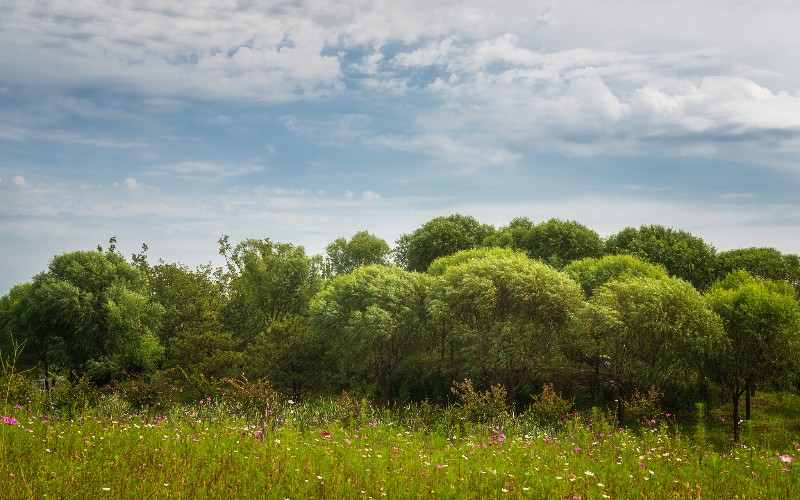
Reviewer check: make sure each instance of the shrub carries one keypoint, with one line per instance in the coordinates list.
(549, 409)
(488, 407)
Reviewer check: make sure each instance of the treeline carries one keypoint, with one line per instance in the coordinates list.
(648, 311)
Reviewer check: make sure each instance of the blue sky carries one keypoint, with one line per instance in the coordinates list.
(173, 123)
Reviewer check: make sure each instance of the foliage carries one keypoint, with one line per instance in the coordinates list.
(555, 242)
(293, 356)
(265, 281)
(646, 332)
(761, 321)
(489, 407)
(765, 263)
(362, 249)
(644, 407)
(372, 320)
(439, 237)
(592, 273)
(682, 254)
(548, 408)
(498, 314)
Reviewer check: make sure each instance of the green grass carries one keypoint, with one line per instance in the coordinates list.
(307, 451)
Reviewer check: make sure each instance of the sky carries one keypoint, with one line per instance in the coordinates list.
(174, 123)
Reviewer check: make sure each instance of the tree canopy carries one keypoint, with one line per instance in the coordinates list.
(439, 237)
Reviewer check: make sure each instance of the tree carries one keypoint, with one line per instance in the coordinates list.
(592, 273)
(761, 321)
(373, 322)
(439, 237)
(91, 310)
(649, 332)
(191, 300)
(499, 313)
(683, 255)
(363, 249)
(554, 242)
(766, 263)
(292, 356)
(265, 282)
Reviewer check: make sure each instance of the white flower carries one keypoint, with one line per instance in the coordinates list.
(589, 473)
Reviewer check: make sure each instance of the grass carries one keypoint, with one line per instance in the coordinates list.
(212, 450)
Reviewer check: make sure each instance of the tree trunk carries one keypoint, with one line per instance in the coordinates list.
(620, 410)
(736, 415)
(748, 393)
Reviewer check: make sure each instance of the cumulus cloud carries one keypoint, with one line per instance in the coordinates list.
(20, 181)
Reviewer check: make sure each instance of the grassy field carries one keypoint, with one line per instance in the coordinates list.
(213, 450)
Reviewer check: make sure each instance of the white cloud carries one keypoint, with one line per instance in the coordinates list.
(202, 169)
(370, 196)
(132, 184)
(20, 181)
(348, 195)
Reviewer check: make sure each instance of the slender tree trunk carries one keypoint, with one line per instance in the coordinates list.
(736, 395)
(748, 393)
(620, 410)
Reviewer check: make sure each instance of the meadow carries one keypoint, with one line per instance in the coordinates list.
(347, 448)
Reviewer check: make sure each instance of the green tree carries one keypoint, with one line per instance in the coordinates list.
(761, 319)
(363, 249)
(554, 242)
(439, 237)
(649, 332)
(265, 282)
(592, 273)
(292, 356)
(682, 254)
(93, 310)
(766, 263)
(191, 299)
(499, 313)
(373, 322)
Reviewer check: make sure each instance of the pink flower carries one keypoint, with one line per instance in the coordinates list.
(439, 466)
(10, 421)
(346, 441)
(372, 424)
(17, 407)
(257, 433)
(325, 433)
(786, 458)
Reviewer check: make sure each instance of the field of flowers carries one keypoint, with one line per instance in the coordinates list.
(325, 450)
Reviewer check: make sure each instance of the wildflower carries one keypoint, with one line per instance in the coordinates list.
(786, 459)
(577, 448)
(423, 473)
(439, 466)
(257, 433)
(106, 489)
(372, 424)
(589, 473)
(346, 441)
(10, 421)
(17, 407)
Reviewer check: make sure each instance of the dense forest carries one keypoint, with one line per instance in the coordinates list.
(651, 313)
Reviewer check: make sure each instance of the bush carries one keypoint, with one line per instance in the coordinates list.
(549, 409)
(488, 407)
(250, 398)
(644, 408)
(70, 398)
